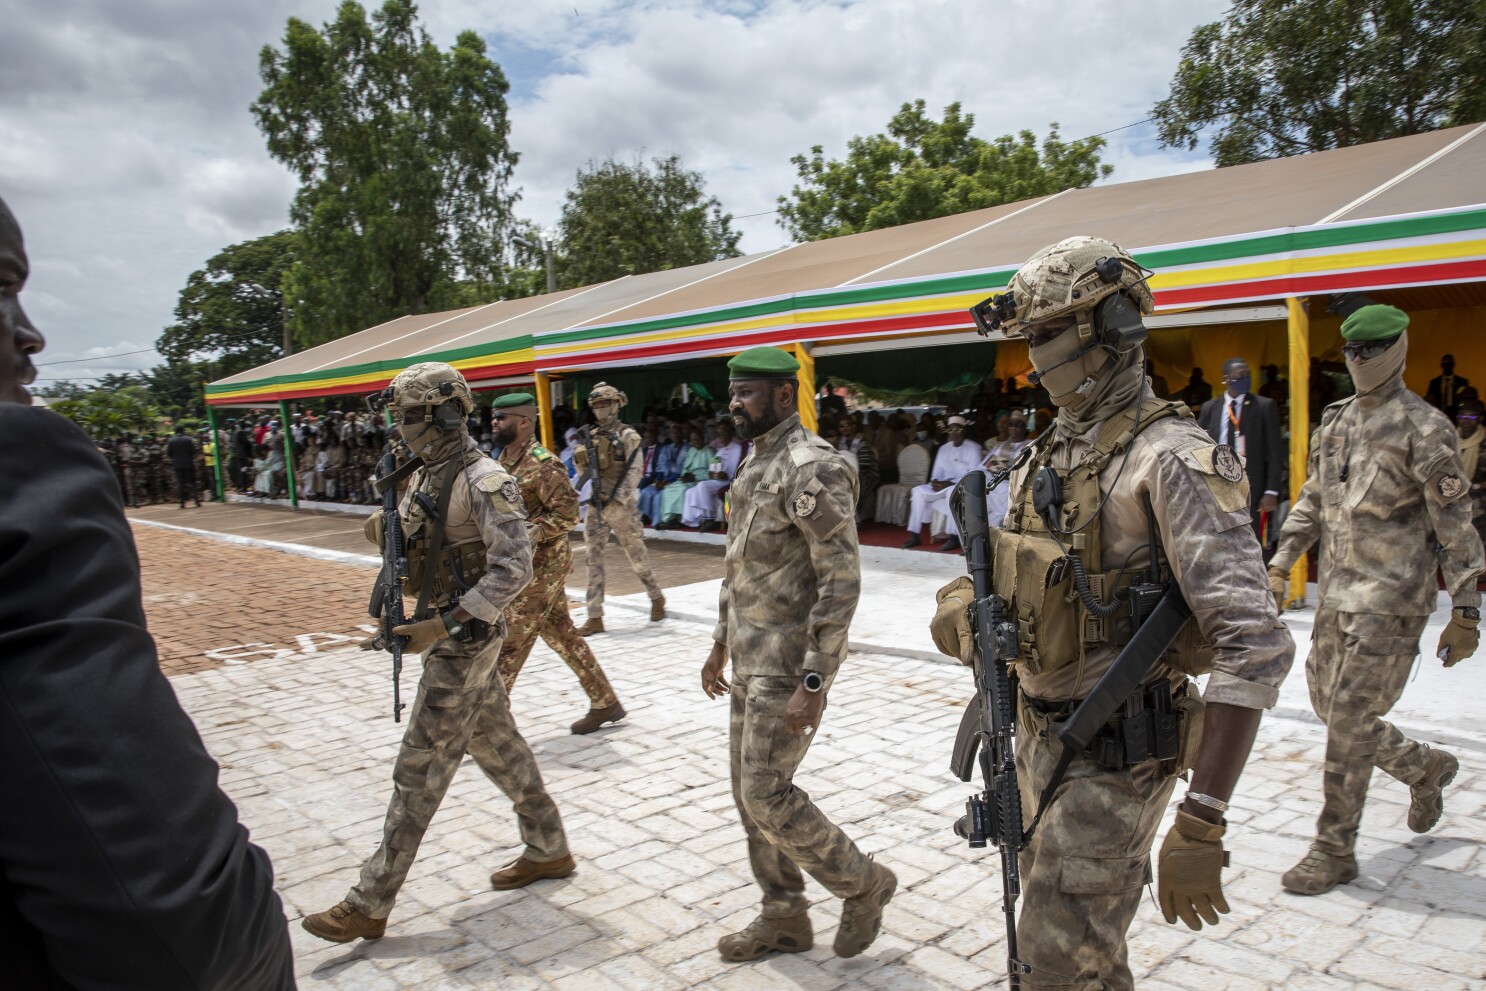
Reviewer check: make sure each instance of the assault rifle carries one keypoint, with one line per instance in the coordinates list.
(596, 497)
(386, 597)
(1158, 613)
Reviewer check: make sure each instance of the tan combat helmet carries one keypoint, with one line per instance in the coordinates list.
(604, 391)
(1069, 278)
(431, 384)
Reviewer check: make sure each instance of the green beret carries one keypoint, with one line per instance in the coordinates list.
(515, 399)
(763, 363)
(1375, 323)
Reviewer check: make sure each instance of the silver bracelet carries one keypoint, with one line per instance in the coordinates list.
(1208, 800)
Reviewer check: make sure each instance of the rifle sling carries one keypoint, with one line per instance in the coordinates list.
(397, 475)
(628, 460)
(436, 538)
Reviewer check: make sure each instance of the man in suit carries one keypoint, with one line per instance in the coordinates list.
(1447, 389)
(1250, 425)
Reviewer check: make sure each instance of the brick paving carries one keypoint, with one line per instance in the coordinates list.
(306, 750)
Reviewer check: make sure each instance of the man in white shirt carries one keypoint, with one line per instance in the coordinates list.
(953, 461)
(703, 505)
(998, 456)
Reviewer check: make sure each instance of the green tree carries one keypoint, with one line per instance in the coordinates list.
(109, 412)
(1284, 77)
(923, 168)
(233, 309)
(401, 153)
(628, 218)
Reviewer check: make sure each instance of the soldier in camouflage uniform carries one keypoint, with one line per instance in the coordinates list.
(613, 504)
(542, 610)
(1134, 471)
(790, 584)
(1388, 499)
(461, 706)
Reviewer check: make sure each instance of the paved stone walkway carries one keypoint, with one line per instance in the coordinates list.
(306, 749)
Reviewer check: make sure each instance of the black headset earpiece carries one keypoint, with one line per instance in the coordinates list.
(448, 415)
(1118, 323)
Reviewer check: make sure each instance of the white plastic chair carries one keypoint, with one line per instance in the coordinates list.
(892, 500)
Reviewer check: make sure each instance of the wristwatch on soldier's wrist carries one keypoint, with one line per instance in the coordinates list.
(453, 627)
(1469, 612)
(812, 682)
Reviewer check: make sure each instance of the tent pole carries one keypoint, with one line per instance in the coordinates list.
(806, 379)
(288, 452)
(211, 425)
(1300, 426)
(544, 409)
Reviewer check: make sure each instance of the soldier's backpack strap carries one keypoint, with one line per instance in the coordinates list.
(436, 538)
(1116, 433)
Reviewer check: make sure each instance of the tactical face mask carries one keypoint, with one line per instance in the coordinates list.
(1380, 370)
(1068, 376)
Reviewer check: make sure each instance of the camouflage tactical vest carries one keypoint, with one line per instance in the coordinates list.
(1032, 573)
(461, 557)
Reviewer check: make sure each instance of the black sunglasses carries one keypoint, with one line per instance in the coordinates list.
(1367, 350)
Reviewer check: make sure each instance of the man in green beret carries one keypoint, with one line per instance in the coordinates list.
(1387, 499)
(790, 584)
(542, 608)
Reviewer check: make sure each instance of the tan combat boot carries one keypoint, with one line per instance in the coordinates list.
(1318, 872)
(521, 872)
(598, 717)
(657, 609)
(343, 924)
(594, 625)
(1427, 795)
(861, 915)
(788, 935)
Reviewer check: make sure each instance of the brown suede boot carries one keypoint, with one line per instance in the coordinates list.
(342, 924)
(657, 609)
(594, 625)
(521, 872)
(861, 916)
(598, 717)
(1318, 872)
(788, 935)
(1427, 795)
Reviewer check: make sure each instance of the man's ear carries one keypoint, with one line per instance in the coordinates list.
(787, 394)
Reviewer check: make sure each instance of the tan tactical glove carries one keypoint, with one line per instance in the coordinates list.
(951, 623)
(1189, 882)
(1460, 639)
(373, 528)
(424, 635)
(1277, 580)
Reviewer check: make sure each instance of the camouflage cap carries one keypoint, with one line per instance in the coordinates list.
(430, 383)
(1375, 323)
(1071, 277)
(763, 363)
(604, 392)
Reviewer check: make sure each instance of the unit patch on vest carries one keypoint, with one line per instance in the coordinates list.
(1227, 464)
(511, 489)
(1451, 486)
(804, 504)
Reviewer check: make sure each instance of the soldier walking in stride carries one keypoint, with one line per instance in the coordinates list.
(610, 458)
(542, 609)
(790, 586)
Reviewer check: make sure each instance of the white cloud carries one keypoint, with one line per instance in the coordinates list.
(130, 157)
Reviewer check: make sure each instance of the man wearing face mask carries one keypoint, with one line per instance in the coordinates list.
(542, 609)
(1447, 389)
(956, 458)
(468, 558)
(613, 503)
(1120, 478)
(1250, 425)
(1388, 499)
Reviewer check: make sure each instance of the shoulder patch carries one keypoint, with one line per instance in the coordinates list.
(541, 453)
(1448, 483)
(1226, 463)
(1216, 465)
(503, 490)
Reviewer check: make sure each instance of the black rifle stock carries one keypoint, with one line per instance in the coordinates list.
(386, 599)
(988, 727)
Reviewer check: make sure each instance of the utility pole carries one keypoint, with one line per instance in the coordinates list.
(284, 316)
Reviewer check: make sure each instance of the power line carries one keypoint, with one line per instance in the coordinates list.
(105, 357)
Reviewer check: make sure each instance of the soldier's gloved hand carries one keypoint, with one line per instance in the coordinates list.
(1277, 580)
(1461, 638)
(1189, 879)
(424, 635)
(951, 623)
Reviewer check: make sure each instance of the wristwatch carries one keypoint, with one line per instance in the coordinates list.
(452, 626)
(813, 682)
(1469, 612)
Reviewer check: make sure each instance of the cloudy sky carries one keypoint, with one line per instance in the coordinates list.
(128, 153)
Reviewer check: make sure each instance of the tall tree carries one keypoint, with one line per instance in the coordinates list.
(1284, 77)
(402, 158)
(627, 218)
(233, 309)
(924, 168)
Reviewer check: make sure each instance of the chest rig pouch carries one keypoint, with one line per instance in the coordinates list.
(454, 570)
(1039, 572)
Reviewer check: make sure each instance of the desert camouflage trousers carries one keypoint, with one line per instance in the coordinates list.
(623, 519)
(786, 832)
(1087, 865)
(461, 707)
(1356, 671)
(542, 610)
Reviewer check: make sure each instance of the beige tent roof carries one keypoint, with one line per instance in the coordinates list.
(1434, 171)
